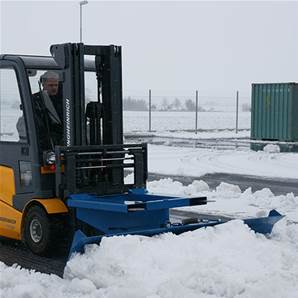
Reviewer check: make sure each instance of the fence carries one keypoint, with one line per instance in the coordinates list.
(193, 112)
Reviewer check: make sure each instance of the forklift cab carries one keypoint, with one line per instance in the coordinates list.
(90, 155)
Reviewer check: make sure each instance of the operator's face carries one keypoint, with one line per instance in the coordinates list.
(51, 86)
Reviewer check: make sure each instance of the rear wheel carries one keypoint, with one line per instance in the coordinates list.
(37, 230)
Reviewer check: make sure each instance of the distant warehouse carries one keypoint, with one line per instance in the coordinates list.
(274, 115)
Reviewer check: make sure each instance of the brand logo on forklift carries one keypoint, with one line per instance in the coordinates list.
(5, 219)
(67, 116)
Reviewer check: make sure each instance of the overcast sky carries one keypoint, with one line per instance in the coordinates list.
(171, 47)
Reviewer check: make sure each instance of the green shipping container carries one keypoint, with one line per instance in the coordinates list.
(274, 112)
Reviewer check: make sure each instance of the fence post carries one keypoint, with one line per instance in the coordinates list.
(197, 107)
(149, 110)
(237, 110)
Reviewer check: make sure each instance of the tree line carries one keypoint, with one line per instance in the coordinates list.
(132, 104)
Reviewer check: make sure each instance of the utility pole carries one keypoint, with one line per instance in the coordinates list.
(237, 110)
(149, 110)
(81, 19)
(197, 108)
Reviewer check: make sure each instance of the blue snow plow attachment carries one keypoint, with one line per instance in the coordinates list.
(140, 213)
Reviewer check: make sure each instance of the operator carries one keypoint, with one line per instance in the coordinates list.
(48, 108)
(48, 113)
(50, 84)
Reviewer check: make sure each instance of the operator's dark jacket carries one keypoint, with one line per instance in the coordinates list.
(47, 128)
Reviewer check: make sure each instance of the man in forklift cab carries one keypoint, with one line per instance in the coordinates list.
(50, 84)
(47, 108)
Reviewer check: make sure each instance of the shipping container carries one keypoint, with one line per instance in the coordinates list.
(274, 112)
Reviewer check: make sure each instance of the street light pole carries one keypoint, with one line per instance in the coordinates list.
(81, 21)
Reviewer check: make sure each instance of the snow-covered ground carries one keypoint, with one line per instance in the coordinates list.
(203, 134)
(161, 121)
(139, 121)
(197, 162)
(229, 260)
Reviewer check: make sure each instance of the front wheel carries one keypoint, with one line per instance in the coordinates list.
(37, 231)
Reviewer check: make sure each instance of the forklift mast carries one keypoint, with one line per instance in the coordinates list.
(105, 115)
(93, 156)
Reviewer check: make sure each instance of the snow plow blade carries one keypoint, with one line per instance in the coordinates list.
(264, 225)
(140, 213)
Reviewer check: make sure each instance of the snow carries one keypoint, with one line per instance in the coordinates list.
(228, 260)
(228, 200)
(204, 263)
(197, 162)
(202, 134)
(161, 121)
(271, 148)
(9, 118)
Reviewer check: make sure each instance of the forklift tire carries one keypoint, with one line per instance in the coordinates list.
(37, 231)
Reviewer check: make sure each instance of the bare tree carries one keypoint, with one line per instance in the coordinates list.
(165, 104)
(131, 104)
(190, 105)
(177, 104)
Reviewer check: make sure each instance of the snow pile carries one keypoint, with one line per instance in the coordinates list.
(169, 187)
(227, 199)
(228, 190)
(225, 261)
(271, 148)
(228, 260)
(21, 283)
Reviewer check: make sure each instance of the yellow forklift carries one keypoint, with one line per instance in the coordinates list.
(62, 157)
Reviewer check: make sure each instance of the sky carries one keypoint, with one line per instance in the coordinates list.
(170, 47)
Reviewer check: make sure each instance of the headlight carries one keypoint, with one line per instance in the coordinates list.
(49, 157)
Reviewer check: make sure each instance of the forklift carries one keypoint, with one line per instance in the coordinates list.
(75, 184)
